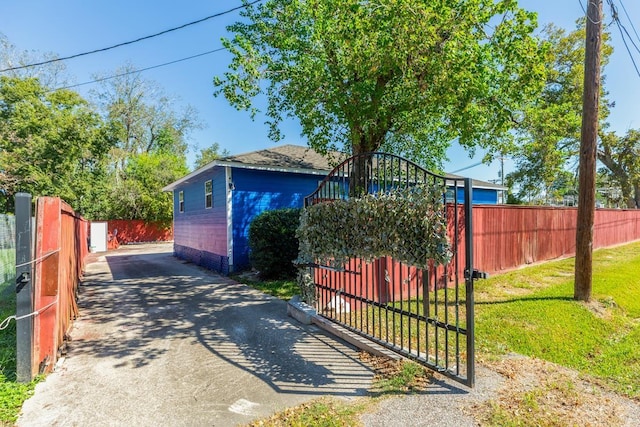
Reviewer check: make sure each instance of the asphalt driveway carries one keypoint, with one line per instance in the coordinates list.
(163, 342)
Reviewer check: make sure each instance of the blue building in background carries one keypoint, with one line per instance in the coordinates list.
(214, 205)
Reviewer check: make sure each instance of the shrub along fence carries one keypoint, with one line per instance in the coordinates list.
(505, 237)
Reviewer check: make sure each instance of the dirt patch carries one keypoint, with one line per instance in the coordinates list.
(512, 391)
(544, 394)
(393, 375)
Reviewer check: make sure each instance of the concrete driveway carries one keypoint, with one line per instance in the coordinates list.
(163, 342)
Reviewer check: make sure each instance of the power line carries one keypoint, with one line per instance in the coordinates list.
(131, 41)
(467, 167)
(623, 30)
(102, 79)
(629, 19)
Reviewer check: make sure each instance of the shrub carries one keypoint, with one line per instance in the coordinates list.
(273, 243)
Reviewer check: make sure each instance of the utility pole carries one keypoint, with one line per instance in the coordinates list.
(588, 147)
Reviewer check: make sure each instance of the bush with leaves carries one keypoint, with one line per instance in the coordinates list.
(273, 243)
(407, 224)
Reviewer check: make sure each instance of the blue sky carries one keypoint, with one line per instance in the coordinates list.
(68, 27)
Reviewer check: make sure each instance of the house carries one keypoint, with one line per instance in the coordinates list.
(214, 205)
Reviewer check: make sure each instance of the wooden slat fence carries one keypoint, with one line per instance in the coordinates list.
(60, 251)
(508, 237)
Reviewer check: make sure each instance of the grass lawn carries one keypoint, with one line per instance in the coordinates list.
(531, 311)
(282, 289)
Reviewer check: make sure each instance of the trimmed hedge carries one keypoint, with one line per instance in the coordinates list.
(273, 243)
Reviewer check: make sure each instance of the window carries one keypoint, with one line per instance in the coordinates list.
(181, 201)
(208, 194)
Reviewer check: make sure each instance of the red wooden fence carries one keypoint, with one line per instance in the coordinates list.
(504, 238)
(60, 251)
(138, 231)
(507, 237)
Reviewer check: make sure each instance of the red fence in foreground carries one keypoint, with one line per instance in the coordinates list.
(504, 238)
(60, 251)
(138, 231)
(507, 237)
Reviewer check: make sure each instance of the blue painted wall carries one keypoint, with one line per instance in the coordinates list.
(257, 191)
(200, 234)
(481, 196)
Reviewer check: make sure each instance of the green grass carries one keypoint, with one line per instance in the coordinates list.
(322, 412)
(282, 289)
(12, 393)
(532, 312)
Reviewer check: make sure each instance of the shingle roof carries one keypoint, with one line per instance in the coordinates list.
(285, 156)
(289, 158)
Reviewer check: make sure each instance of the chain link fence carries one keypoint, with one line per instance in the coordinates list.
(7, 253)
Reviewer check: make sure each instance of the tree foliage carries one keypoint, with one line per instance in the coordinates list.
(144, 119)
(548, 136)
(150, 146)
(138, 194)
(405, 76)
(621, 157)
(51, 143)
(208, 155)
(106, 166)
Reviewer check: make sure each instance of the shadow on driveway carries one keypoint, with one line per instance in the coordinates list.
(162, 342)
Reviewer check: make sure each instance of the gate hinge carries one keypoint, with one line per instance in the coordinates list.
(476, 274)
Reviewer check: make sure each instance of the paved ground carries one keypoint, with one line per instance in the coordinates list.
(162, 342)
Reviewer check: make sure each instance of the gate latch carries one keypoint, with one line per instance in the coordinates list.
(476, 274)
(22, 280)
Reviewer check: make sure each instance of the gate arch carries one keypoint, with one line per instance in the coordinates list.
(425, 314)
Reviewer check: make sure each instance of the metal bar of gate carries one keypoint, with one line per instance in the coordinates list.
(24, 289)
(469, 297)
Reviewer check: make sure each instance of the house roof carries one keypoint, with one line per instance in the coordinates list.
(287, 158)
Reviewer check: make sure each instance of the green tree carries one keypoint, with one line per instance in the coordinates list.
(621, 157)
(138, 195)
(209, 154)
(404, 76)
(51, 143)
(144, 119)
(548, 136)
(151, 136)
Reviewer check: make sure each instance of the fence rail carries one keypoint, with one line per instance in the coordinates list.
(508, 237)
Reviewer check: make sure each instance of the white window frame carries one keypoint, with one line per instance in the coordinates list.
(181, 201)
(208, 194)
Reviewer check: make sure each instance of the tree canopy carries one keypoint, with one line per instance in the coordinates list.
(409, 77)
(51, 143)
(108, 160)
(548, 136)
(621, 157)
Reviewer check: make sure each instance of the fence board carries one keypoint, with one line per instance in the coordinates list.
(61, 247)
(508, 237)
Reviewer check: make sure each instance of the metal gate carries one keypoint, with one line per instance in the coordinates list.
(424, 314)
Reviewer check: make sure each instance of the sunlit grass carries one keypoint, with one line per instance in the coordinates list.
(598, 338)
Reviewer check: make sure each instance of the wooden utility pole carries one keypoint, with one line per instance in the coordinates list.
(588, 147)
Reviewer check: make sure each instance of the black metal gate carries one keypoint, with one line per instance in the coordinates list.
(424, 314)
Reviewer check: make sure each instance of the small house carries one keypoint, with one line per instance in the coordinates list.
(214, 205)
